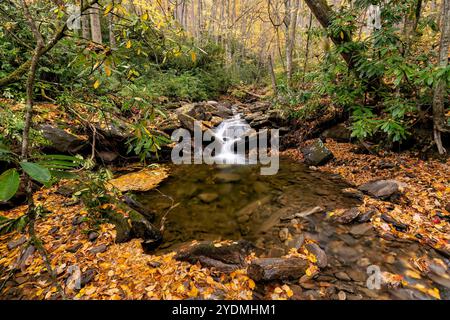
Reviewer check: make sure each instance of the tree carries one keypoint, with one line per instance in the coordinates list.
(440, 89)
(96, 27)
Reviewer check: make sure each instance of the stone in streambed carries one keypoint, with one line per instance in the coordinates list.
(348, 216)
(317, 154)
(227, 177)
(320, 255)
(208, 197)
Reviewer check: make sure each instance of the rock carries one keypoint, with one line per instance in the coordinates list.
(108, 156)
(222, 111)
(187, 122)
(62, 141)
(342, 295)
(99, 249)
(366, 216)
(397, 224)
(16, 243)
(283, 234)
(317, 154)
(87, 276)
(353, 193)
(297, 242)
(227, 177)
(360, 229)
(142, 180)
(382, 189)
(339, 132)
(225, 258)
(342, 276)
(243, 218)
(93, 235)
(208, 197)
(357, 275)
(308, 212)
(260, 122)
(348, 216)
(77, 220)
(269, 269)
(320, 255)
(74, 248)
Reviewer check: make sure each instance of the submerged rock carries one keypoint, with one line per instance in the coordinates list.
(208, 197)
(317, 154)
(227, 177)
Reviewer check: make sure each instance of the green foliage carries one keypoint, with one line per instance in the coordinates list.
(9, 184)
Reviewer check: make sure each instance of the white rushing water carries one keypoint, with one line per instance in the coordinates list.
(227, 134)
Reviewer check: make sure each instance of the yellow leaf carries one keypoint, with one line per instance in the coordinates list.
(96, 84)
(251, 284)
(342, 35)
(193, 56)
(145, 16)
(108, 8)
(128, 44)
(107, 71)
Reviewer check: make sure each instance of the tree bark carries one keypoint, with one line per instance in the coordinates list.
(291, 39)
(96, 27)
(440, 89)
(85, 26)
(272, 76)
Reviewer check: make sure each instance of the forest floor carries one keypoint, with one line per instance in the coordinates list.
(123, 271)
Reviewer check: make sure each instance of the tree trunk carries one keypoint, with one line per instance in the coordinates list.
(85, 27)
(291, 39)
(272, 76)
(112, 37)
(95, 24)
(441, 89)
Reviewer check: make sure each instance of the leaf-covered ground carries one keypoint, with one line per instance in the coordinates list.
(122, 271)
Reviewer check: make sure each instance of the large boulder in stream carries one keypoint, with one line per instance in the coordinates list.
(272, 269)
(317, 154)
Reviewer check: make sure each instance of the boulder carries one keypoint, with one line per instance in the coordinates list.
(317, 154)
(142, 180)
(62, 141)
(382, 189)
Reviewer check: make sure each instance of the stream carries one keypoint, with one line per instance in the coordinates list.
(233, 201)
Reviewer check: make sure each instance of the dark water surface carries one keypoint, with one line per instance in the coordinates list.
(236, 202)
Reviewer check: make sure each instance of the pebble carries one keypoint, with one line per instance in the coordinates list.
(284, 234)
(99, 249)
(342, 276)
(342, 295)
(208, 197)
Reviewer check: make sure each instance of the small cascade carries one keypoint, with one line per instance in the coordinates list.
(228, 133)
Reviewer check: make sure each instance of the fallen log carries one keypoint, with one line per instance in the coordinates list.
(269, 269)
(223, 257)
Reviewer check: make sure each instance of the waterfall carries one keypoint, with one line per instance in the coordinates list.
(227, 134)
